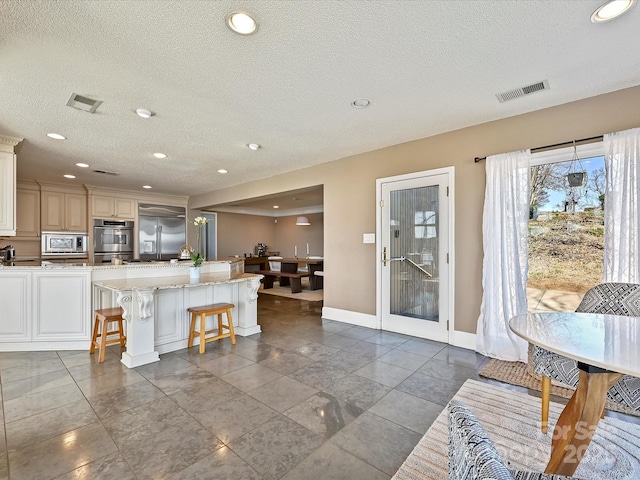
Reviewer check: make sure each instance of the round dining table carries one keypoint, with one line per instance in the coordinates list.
(605, 347)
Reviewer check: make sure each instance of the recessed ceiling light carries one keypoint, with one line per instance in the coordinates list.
(56, 136)
(82, 165)
(254, 146)
(276, 206)
(146, 186)
(360, 103)
(242, 23)
(611, 10)
(222, 170)
(159, 155)
(144, 113)
(69, 176)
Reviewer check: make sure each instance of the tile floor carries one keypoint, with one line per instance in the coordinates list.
(305, 399)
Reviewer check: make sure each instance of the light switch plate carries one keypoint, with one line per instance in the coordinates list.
(368, 238)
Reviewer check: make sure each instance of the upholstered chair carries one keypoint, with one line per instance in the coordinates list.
(472, 456)
(606, 298)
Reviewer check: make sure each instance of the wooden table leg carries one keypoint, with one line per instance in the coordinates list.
(268, 281)
(296, 285)
(579, 419)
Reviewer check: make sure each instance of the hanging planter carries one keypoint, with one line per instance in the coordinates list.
(576, 179)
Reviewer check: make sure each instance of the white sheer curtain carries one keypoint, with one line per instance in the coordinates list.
(506, 250)
(622, 207)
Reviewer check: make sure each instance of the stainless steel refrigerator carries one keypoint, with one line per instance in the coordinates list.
(163, 230)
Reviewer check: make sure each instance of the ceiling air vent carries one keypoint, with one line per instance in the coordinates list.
(104, 172)
(83, 103)
(522, 91)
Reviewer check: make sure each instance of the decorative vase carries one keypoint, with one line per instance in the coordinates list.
(194, 274)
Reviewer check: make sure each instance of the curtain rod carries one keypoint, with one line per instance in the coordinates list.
(555, 145)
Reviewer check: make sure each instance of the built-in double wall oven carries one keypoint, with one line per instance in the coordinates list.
(112, 239)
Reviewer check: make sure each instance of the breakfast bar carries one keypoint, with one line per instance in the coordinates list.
(155, 303)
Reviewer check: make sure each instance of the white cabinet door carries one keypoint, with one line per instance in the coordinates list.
(28, 213)
(15, 307)
(125, 208)
(169, 315)
(62, 305)
(102, 206)
(7, 194)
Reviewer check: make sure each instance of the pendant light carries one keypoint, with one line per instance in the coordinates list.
(302, 221)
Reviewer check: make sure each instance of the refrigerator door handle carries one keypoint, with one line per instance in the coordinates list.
(159, 240)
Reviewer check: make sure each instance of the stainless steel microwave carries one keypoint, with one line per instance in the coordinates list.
(64, 244)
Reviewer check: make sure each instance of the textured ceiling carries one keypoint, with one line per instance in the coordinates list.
(426, 66)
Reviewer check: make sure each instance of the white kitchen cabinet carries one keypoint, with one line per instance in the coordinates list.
(7, 194)
(103, 206)
(45, 308)
(28, 212)
(15, 301)
(62, 305)
(63, 211)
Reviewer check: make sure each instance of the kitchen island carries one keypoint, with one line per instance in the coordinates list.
(51, 307)
(155, 303)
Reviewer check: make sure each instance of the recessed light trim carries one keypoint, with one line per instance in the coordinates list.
(242, 23)
(223, 171)
(82, 165)
(160, 155)
(144, 113)
(360, 103)
(254, 146)
(56, 136)
(610, 10)
(147, 186)
(276, 206)
(69, 176)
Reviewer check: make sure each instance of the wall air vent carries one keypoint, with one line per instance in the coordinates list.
(522, 91)
(83, 103)
(104, 172)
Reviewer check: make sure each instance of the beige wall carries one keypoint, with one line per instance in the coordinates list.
(239, 234)
(288, 235)
(349, 192)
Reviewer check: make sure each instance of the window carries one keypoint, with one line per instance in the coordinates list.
(566, 226)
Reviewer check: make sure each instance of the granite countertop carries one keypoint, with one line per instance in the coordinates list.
(36, 264)
(178, 281)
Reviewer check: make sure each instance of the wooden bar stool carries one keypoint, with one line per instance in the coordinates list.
(104, 317)
(205, 311)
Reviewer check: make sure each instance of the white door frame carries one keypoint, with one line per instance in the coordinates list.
(450, 171)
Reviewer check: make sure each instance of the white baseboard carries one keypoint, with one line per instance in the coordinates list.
(45, 346)
(460, 339)
(347, 316)
(464, 340)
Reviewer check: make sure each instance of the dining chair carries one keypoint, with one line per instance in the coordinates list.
(472, 454)
(274, 265)
(305, 269)
(606, 298)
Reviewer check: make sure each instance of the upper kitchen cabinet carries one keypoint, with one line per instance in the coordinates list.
(8, 185)
(28, 210)
(103, 206)
(63, 209)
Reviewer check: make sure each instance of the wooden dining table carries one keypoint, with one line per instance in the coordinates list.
(605, 347)
(291, 265)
